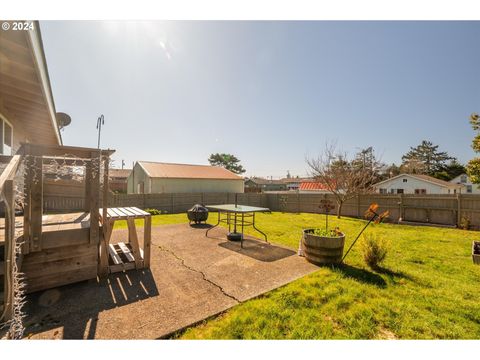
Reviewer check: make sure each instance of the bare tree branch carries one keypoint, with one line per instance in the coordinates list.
(345, 178)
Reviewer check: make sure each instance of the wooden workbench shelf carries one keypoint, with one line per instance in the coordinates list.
(121, 257)
(124, 256)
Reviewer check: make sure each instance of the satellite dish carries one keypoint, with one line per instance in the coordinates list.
(63, 120)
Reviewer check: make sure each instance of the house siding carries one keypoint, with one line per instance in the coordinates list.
(160, 185)
(19, 133)
(475, 187)
(136, 177)
(410, 186)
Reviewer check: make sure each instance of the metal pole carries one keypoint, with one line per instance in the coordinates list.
(100, 122)
(351, 246)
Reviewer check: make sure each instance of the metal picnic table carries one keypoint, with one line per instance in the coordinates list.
(234, 214)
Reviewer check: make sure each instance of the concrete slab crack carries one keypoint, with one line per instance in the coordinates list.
(200, 272)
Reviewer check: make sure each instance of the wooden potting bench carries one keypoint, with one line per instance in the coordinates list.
(125, 256)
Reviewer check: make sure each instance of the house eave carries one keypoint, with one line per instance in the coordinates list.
(35, 40)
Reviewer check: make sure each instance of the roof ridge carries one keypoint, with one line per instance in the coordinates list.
(169, 163)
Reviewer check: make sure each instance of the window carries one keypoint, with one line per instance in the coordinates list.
(6, 137)
(392, 191)
(420, 191)
(399, 191)
(463, 179)
(382, 191)
(404, 180)
(469, 189)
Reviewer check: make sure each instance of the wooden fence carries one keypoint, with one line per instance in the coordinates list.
(447, 210)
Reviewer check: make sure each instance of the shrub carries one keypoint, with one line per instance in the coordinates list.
(374, 250)
(328, 233)
(153, 211)
(465, 223)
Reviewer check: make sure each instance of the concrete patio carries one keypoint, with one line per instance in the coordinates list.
(191, 278)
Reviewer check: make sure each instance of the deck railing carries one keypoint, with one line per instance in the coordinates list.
(8, 263)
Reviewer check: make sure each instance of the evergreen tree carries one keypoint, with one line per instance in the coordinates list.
(450, 171)
(228, 161)
(425, 159)
(366, 160)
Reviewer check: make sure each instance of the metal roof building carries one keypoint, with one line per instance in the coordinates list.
(155, 177)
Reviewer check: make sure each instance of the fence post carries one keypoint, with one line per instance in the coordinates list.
(298, 202)
(459, 209)
(358, 205)
(401, 209)
(172, 203)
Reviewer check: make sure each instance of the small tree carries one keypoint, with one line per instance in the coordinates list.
(228, 161)
(473, 166)
(341, 176)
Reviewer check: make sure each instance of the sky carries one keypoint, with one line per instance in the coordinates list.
(271, 93)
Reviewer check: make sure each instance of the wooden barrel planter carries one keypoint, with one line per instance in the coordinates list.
(476, 252)
(322, 250)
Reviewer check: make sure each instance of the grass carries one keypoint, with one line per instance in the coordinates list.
(426, 289)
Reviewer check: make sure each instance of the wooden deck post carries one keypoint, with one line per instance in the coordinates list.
(36, 203)
(88, 185)
(93, 200)
(27, 216)
(107, 226)
(9, 295)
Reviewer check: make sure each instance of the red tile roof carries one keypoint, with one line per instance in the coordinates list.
(312, 185)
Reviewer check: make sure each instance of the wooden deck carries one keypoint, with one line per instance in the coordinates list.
(67, 254)
(53, 222)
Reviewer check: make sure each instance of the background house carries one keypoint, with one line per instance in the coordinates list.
(416, 184)
(154, 177)
(294, 183)
(118, 179)
(256, 184)
(468, 186)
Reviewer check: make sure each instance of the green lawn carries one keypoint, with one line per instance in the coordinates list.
(428, 288)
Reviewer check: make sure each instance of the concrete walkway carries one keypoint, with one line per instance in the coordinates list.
(192, 277)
